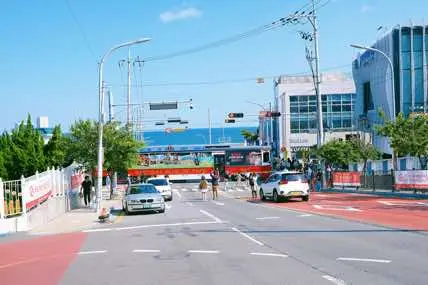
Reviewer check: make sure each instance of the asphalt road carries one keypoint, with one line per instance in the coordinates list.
(232, 241)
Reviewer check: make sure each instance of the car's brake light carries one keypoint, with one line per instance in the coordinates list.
(283, 181)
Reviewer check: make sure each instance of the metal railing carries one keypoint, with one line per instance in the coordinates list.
(12, 198)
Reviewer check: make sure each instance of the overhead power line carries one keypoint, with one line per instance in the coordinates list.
(81, 30)
(226, 81)
(280, 22)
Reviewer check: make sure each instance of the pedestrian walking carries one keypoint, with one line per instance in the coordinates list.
(215, 178)
(86, 188)
(253, 181)
(203, 186)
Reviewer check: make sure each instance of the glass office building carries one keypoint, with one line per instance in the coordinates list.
(298, 125)
(407, 47)
(338, 112)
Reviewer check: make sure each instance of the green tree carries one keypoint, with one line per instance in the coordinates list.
(55, 150)
(26, 151)
(365, 150)
(407, 135)
(120, 147)
(250, 137)
(338, 153)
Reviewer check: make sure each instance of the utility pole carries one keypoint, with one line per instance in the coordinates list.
(209, 126)
(129, 116)
(110, 106)
(320, 140)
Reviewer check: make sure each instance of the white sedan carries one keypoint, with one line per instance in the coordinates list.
(163, 186)
(285, 184)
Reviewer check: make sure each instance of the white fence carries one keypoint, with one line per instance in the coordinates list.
(36, 200)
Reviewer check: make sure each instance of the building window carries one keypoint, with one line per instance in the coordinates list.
(418, 67)
(406, 70)
(367, 97)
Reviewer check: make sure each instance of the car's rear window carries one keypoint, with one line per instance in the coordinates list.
(158, 182)
(143, 189)
(294, 177)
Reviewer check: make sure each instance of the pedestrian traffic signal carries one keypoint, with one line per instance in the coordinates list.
(236, 115)
(229, 121)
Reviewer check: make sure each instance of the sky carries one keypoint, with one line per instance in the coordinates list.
(50, 50)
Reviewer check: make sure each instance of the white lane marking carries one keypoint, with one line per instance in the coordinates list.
(217, 220)
(267, 218)
(334, 280)
(189, 204)
(240, 190)
(218, 203)
(195, 190)
(149, 226)
(248, 237)
(167, 206)
(177, 193)
(92, 252)
(146, 250)
(203, 251)
(268, 254)
(321, 195)
(364, 259)
(305, 215)
(336, 208)
(184, 189)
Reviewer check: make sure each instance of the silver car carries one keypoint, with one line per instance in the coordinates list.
(143, 198)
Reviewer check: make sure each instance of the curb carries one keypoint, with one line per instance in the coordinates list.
(385, 194)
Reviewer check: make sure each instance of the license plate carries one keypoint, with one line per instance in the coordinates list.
(295, 193)
(147, 206)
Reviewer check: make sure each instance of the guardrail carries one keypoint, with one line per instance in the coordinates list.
(30, 201)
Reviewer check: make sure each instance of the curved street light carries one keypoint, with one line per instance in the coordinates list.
(392, 72)
(101, 113)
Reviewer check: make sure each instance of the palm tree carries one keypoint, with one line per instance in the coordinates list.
(250, 137)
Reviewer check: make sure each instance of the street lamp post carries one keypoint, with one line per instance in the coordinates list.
(101, 113)
(392, 117)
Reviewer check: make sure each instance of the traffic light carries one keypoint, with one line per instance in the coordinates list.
(229, 121)
(276, 114)
(236, 115)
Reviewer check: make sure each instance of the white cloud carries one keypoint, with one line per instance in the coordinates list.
(180, 14)
(366, 8)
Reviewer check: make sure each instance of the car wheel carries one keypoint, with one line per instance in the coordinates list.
(305, 198)
(127, 211)
(275, 196)
(262, 195)
(170, 199)
(162, 211)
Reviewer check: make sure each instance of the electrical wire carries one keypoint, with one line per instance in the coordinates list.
(81, 30)
(295, 18)
(227, 81)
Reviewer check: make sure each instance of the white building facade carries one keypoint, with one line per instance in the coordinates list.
(298, 106)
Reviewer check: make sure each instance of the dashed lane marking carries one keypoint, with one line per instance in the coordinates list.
(305, 215)
(176, 192)
(217, 220)
(267, 218)
(334, 280)
(146, 250)
(268, 254)
(203, 251)
(248, 237)
(218, 203)
(92, 252)
(364, 259)
(150, 226)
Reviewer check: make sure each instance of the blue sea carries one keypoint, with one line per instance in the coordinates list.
(196, 136)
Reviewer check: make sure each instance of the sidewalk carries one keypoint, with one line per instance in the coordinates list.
(78, 219)
(379, 192)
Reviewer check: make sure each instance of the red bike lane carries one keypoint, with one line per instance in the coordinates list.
(408, 214)
(39, 260)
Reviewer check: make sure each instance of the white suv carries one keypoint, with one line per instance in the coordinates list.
(285, 184)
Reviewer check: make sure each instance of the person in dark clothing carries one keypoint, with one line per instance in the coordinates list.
(86, 187)
(215, 178)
